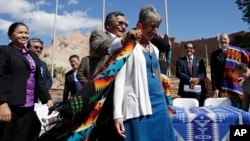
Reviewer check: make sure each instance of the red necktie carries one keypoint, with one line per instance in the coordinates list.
(190, 63)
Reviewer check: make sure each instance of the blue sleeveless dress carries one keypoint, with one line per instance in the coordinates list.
(158, 126)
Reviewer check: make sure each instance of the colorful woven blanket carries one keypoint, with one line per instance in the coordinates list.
(230, 87)
(82, 111)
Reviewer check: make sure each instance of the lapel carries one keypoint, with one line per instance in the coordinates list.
(220, 56)
(19, 54)
(71, 76)
(195, 64)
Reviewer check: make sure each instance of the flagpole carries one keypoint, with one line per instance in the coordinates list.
(168, 54)
(206, 55)
(166, 15)
(103, 14)
(54, 41)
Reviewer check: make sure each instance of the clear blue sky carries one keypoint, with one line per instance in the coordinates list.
(187, 19)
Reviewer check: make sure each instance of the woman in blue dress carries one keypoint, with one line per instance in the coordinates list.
(140, 109)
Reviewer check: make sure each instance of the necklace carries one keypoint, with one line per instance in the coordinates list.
(148, 49)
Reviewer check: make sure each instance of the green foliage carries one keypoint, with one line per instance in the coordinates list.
(63, 44)
(242, 41)
(244, 6)
(207, 63)
(60, 70)
(57, 70)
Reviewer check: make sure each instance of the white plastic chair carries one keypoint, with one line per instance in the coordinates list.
(185, 102)
(217, 101)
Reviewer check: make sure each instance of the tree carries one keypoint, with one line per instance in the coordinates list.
(244, 6)
(241, 41)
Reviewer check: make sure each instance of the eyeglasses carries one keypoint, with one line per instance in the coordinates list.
(121, 23)
(38, 47)
(189, 48)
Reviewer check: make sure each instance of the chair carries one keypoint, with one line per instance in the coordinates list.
(217, 102)
(185, 102)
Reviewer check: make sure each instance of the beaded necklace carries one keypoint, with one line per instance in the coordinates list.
(148, 48)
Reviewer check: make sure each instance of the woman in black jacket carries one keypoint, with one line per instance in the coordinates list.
(21, 84)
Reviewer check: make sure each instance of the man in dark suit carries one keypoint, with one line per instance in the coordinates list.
(83, 72)
(191, 71)
(224, 80)
(36, 45)
(72, 85)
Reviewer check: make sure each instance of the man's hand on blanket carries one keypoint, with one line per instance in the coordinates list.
(132, 34)
(240, 81)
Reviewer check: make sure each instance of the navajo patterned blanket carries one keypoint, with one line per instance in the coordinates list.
(79, 115)
(230, 87)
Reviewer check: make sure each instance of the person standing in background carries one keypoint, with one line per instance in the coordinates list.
(21, 85)
(36, 45)
(224, 80)
(243, 71)
(191, 71)
(72, 85)
(83, 72)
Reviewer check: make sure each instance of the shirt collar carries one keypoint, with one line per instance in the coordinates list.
(190, 57)
(23, 50)
(111, 34)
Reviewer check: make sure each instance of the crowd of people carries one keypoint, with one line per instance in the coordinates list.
(137, 101)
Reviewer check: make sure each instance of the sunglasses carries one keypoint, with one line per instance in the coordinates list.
(189, 48)
(121, 23)
(38, 47)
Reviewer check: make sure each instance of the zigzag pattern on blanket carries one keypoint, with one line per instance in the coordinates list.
(101, 80)
(90, 100)
(230, 87)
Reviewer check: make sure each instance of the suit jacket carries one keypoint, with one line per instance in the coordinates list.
(46, 75)
(246, 98)
(217, 66)
(69, 85)
(184, 74)
(100, 43)
(14, 73)
(83, 72)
